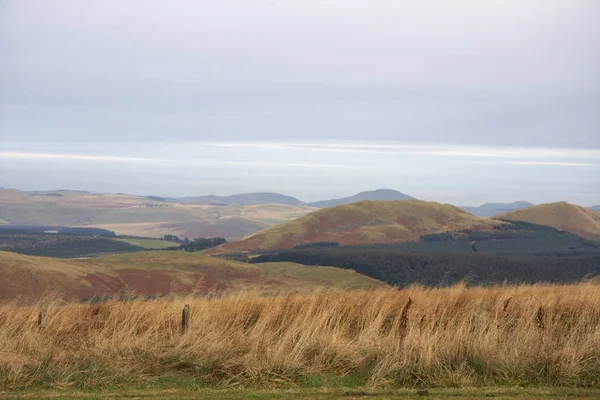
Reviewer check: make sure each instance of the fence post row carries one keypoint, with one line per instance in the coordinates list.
(185, 318)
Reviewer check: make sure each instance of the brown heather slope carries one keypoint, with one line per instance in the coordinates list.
(364, 222)
(562, 215)
(30, 278)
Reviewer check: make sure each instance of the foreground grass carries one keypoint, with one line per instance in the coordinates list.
(544, 335)
(306, 394)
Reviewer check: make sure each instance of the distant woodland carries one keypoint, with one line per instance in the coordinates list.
(522, 253)
(61, 242)
(399, 267)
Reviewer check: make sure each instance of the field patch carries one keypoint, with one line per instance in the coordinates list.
(151, 244)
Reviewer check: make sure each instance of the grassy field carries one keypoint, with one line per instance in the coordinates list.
(309, 393)
(151, 244)
(525, 336)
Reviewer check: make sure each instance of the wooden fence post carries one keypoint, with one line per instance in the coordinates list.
(403, 328)
(185, 318)
(42, 319)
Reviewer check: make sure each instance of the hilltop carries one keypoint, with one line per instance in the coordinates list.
(365, 222)
(378, 194)
(29, 277)
(491, 209)
(562, 215)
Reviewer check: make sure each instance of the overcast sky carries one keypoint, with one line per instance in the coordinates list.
(454, 101)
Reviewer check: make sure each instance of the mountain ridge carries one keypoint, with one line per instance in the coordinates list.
(491, 209)
(252, 198)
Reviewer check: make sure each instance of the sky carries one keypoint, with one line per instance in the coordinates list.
(457, 101)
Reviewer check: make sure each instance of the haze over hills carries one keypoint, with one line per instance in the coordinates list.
(378, 194)
(365, 222)
(29, 277)
(491, 209)
(148, 216)
(561, 215)
(231, 217)
(595, 208)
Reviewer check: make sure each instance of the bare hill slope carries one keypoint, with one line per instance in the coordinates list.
(365, 222)
(562, 215)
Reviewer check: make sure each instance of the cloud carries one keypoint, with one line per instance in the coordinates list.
(442, 150)
(553, 163)
(77, 157)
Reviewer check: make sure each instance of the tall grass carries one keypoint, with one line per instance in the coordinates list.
(540, 334)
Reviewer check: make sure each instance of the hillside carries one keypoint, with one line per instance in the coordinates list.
(140, 216)
(30, 278)
(491, 209)
(379, 194)
(595, 208)
(365, 222)
(562, 215)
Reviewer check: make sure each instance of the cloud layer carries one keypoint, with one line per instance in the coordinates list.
(471, 101)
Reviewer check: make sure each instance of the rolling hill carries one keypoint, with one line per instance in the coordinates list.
(378, 194)
(595, 208)
(491, 209)
(562, 215)
(29, 278)
(362, 223)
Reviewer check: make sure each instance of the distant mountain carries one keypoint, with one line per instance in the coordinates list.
(562, 215)
(595, 208)
(244, 199)
(379, 194)
(362, 223)
(490, 209)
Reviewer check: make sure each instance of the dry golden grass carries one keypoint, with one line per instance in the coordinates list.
(540, 334)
